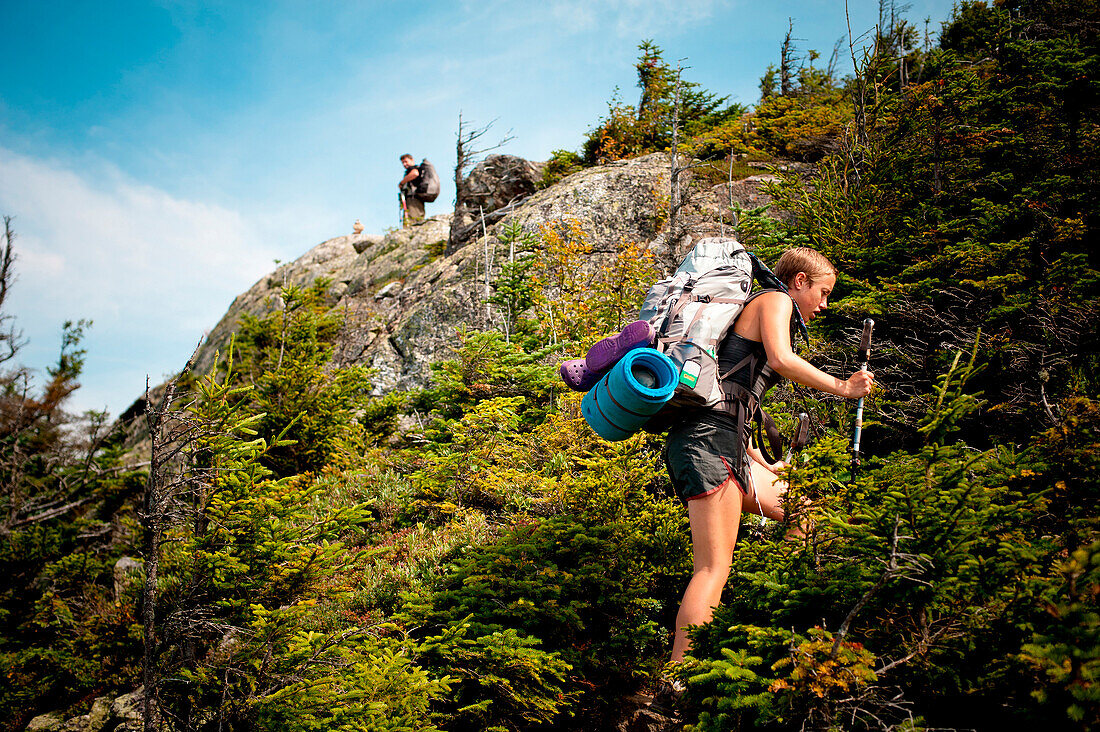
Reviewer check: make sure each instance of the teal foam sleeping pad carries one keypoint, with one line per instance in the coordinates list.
(630, 393)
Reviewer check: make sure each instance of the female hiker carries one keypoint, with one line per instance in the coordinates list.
(712, 463)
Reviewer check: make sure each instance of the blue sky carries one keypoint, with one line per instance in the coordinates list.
(159, 156)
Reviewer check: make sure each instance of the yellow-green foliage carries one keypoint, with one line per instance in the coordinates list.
(583, 302)
(800, 126)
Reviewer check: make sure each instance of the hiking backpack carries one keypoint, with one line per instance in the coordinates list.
(427, 185)
(693, 311)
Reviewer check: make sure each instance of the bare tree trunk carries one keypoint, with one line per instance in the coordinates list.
(153, 519)
(466, 156)
(674, 173)
(171, 434)
(489, 257)
(859, 122)
(786, 61)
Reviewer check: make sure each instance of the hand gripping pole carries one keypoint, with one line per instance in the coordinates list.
(864, 356)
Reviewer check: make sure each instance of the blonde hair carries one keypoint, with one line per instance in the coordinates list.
(803, 259)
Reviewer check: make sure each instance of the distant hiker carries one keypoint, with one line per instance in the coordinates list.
(420, 185)
(715, 469)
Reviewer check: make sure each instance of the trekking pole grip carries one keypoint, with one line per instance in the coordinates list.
(864, 357)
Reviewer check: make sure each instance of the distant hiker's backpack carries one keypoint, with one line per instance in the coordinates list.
(427, 185)
(693, 311)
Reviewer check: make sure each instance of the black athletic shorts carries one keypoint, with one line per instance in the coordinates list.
(702, 452)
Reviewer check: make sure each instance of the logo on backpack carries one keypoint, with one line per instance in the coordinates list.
(427, 184)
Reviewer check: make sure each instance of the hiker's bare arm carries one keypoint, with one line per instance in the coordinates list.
(410, 176)
(774, 318)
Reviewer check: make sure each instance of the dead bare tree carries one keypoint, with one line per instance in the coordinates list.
(683, 195)
(675, 168)
(467, 155)
(786, 61)
(172, 433)
(11, 340)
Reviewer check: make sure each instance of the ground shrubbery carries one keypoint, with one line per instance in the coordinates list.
(500, 567)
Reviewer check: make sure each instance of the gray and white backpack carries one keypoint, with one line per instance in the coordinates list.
(693, 310)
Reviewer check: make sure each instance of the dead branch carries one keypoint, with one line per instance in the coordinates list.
(899, 564)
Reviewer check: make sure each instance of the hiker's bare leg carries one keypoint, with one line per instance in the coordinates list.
(766, 492)
(768, 496)
(714, 521)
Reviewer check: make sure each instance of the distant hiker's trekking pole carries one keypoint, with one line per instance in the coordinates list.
(864, 356)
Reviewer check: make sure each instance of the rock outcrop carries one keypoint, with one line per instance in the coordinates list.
(500, 180)
(122, 714)
(496, 186)
(403, 299)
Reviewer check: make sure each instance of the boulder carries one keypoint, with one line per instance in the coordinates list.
(126, 710)
(128, 573)
(50, 722)
(99, 715)
(499, 180)
(494, 187)
(76, 724)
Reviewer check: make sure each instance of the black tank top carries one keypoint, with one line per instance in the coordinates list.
(733, 350)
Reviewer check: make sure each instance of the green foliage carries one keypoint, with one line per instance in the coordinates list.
(776, 677)
(930, 567)
(585, 301)
(307, 681)
(801, 127)
(580, 591)
(628, 131)
(67, 518)
(487, 366)
(1066, 652)
(803, 123)
(241, 575)
(308, 404)
(503, 680)
(968, 204)
(562, 163)
(513, 288)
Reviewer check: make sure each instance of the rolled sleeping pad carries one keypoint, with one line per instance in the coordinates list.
(630, 393)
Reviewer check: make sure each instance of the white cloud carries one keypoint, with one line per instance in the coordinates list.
(150, 269)
(632, 19)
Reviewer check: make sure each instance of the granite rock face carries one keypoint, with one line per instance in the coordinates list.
(121, 714)
(403, 299)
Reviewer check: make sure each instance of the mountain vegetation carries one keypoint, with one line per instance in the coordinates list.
(296, 552)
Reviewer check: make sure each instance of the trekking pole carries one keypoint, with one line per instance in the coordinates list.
(801, 436)
(404, 210)
(864, 356)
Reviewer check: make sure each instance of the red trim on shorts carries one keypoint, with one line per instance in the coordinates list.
(732, 477)
(704, 495)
